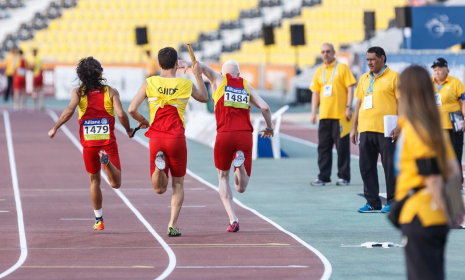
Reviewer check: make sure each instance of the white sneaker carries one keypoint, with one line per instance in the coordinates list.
(318, 182)
(239, 159)
(160, 161)
(342, 182)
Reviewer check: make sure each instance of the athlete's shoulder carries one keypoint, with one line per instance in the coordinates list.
(391, 72)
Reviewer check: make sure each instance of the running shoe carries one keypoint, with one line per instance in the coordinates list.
(342, 182)
(386, 209)
(319, 182)
(160, 161)
(239, 159)
(234, 227)
(104, 158)
(368, 209)
(173, 232)
(99, 225)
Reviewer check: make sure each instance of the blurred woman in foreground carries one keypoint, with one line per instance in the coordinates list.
(424, 160)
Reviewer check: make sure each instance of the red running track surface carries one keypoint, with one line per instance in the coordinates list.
(58, 217)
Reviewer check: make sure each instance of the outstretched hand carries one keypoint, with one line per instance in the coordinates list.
(183, 65)
(266, 133)
(143, 124)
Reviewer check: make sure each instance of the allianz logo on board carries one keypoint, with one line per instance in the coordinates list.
(440, 24)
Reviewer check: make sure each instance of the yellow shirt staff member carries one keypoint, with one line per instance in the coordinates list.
(333, 89)
(11, 62)
(449, 93)
(377, 97)
(424, 157)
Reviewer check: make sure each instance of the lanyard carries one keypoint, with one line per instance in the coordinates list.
(332, 77)
(372, 81)
(439, 87)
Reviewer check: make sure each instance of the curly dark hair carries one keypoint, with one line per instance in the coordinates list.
(89, 71)
(167, 58)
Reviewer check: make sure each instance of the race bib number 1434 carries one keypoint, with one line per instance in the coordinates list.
(96, 129)
(236, 97)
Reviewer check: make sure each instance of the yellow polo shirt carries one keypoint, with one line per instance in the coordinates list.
(450, 98)
(385, 95)
(11, 61)
(410, 147)
(334, 106)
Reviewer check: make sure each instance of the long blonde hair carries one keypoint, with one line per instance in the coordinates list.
(417, 103)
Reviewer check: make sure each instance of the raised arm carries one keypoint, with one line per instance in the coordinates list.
(138, 99)
(67, 113)
(206, 70)
(122, 117)
(200, 94)
(258, 102)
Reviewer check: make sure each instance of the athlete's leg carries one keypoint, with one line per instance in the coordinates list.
(23, 97)
(176, 200)
(41, 98)
(109, 157)
(159, 181)
(226, 194)
(241, 179)
(95, 191)
(16, 99)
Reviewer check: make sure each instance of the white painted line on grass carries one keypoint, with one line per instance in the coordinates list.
(19, 209)
(327, 265)
(171, 256)
(246, 266)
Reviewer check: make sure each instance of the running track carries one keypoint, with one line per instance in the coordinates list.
(59, 242)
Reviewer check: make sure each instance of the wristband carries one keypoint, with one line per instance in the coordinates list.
(268, 129)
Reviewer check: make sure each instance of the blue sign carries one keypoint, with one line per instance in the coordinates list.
(437, 27)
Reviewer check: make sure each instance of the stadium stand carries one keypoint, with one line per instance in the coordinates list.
(336, 21)
(111, 36)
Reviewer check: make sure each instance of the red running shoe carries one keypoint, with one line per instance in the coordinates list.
(234, 227)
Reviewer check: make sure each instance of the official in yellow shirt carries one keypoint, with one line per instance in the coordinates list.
(167, 97)
(424, 158)
(11, 60)
(151, 65)
(377, 97)
(333, 90)
(450, 95)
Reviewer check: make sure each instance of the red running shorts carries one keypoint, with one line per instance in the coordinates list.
(227, 144)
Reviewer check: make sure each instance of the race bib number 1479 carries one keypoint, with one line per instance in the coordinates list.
(236, 97)
(96, 129)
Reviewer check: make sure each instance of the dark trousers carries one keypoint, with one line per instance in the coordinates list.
(9, 87)
(329, 133)
(457, 142)
(372, 144)
(424, 251)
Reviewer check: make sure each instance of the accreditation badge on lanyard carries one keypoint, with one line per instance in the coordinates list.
(437, 95)
(368, 100)
(328, 89)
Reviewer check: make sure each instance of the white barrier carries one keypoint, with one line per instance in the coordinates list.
(275, 141)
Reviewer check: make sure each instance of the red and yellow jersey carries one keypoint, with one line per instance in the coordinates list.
(232, 105)
(20, 70)
(38, 66)
(167, 99)
(96, 118)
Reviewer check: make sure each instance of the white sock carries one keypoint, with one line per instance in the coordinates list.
(98, 213)
(231, 222)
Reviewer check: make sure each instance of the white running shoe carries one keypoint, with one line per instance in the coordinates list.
(160, 161)
(239, 159)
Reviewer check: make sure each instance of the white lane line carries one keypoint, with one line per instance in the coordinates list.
(247, 266)
(19, 209)
(324, 260)
(192, 206)
(4, 211)
(77, 219)
(171, 256)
